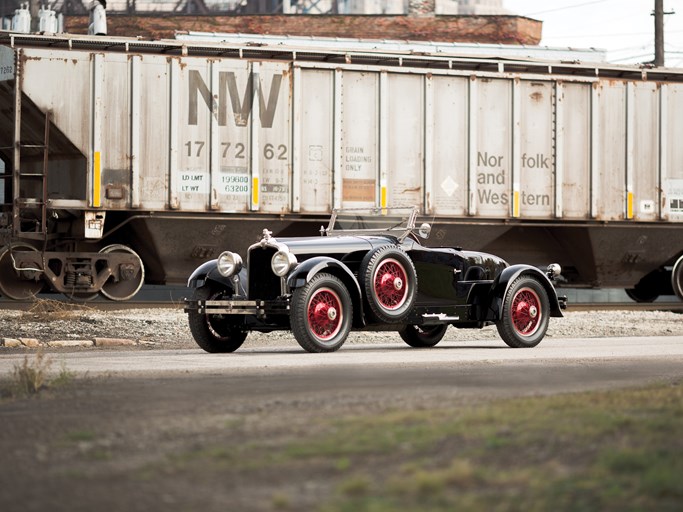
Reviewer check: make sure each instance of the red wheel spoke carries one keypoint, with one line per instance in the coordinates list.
(526, 312)
(390, 283)
(324, 314)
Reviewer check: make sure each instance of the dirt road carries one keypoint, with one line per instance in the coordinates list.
(388, 355)
(131, 430)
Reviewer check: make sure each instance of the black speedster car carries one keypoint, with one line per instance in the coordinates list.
(367, 270)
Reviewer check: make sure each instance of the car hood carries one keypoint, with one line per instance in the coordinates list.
(329, 245)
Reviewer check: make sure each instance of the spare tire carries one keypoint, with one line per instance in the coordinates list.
(389, 283)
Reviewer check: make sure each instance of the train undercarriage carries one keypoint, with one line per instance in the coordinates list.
(92, 192)
(163, 248)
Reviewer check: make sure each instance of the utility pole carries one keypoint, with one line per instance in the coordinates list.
(659, 33)
(34, 9)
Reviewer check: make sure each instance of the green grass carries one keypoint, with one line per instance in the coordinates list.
(602, 451)
(618, 450)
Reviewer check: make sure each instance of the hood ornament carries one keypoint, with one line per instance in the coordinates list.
(265, 240)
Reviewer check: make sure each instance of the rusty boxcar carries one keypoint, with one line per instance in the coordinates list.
(130, 161)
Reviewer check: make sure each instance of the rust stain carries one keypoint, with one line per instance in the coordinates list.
(414, 189)
(537, 96)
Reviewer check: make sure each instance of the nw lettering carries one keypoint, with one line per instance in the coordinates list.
(241, 107)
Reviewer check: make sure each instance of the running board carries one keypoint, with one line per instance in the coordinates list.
(438, 318)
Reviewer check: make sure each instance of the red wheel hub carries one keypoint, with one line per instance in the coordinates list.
(390, 283)
(325, 314)
(526, 311)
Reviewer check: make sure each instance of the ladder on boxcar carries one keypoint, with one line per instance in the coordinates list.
(29, 190)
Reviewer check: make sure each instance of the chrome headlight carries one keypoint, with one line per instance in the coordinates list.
(283, 261)
(229, 264)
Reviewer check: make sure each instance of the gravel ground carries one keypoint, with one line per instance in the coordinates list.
(167, 328)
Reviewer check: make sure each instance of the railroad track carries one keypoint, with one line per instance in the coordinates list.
(626, 306)
(105, 305)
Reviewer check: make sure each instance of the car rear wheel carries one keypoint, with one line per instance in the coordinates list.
(321, 314)
(389, 282)
(526, 312)
(641, 295)
(677, 278)
(423, 336)
(214, 333)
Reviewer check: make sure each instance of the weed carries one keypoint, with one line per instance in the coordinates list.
(64, 377)
(31, 377)
(355, 486)
(281, 501)
(342, 464)
(79, 436)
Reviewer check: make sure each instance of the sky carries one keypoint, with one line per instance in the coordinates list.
(625, 28)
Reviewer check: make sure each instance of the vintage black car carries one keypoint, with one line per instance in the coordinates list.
(366, 270)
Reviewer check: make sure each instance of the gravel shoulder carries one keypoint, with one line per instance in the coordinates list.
(167, 328)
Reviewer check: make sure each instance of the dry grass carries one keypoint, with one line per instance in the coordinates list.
(45, 310)
(32, 376)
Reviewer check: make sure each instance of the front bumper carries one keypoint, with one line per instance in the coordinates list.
(257, 308)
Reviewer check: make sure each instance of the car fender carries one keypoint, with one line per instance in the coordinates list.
(502, 283)
(208, 271)
(308, 269)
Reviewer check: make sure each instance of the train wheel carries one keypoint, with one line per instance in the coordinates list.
(19, 285)
(677, 278)
(526, 311)
(122, 287)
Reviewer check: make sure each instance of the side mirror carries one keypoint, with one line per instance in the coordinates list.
(424, 231)
(554, 270)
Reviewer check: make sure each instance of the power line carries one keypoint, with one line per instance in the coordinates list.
(568, 7)
(632, 57)
(574, 36)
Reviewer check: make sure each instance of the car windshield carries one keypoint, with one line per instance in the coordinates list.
(395, 221)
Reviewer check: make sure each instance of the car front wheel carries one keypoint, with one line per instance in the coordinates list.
(214, 333)
(321, 314)
(421, 336)
(525, 315)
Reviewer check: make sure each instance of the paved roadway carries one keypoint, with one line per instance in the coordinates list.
(489, 366)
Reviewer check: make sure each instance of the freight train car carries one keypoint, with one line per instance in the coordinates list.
(130, 161)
